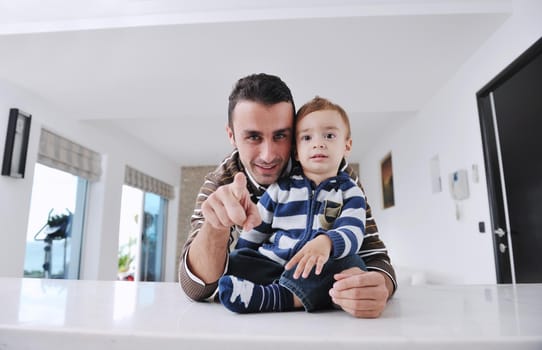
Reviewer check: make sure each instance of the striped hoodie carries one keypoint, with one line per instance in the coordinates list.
(294, 211)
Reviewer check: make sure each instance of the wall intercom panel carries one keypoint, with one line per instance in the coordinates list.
(459, 184)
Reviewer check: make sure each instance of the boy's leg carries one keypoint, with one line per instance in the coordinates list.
(250, 284)
(249, 264)
(313, 291)
(242, 296)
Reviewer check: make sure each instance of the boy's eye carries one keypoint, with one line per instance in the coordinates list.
(305, 138)
(330, 136)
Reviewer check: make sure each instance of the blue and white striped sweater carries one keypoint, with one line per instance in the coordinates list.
(293, 213)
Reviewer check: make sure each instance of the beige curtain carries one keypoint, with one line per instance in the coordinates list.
(144, 182)
(60, 153)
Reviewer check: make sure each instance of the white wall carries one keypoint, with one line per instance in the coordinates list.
(99, 260)
(421, 230)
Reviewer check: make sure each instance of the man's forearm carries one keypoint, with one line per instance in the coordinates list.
(206, 257)
(389, 284)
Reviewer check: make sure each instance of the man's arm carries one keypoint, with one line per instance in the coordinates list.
(373, 251)
(204, 257)
(375, 254)
(192, 284)
(365, 293)
(361, 293)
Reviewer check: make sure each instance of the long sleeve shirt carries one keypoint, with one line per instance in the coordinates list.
(294, 211)
(373, 251)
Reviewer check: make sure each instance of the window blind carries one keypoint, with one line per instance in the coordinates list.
(60, 153)
(144, 182)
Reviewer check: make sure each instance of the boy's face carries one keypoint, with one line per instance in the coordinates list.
(321, 143)
(263, 136)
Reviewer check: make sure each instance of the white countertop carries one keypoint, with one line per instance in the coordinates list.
(62, 314)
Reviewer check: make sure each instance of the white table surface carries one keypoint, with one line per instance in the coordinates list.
(62, 314)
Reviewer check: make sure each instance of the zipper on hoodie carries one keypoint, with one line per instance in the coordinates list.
(310, 215)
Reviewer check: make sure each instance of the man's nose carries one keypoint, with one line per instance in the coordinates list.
(267, 152)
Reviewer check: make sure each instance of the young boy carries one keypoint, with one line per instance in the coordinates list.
(316, 214)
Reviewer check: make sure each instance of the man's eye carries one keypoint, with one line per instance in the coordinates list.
(280, 136)
(253, 138)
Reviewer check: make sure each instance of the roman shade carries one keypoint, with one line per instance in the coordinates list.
(144, 182)
(60, 153)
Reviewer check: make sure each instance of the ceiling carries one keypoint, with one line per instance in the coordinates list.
(161, 70)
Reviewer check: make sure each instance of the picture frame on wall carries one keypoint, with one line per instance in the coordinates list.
(386, 173)
(16, 147)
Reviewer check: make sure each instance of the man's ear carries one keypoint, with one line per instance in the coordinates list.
(231, 136)
(348, 147)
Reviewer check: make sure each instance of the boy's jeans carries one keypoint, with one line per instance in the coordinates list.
(313, 291)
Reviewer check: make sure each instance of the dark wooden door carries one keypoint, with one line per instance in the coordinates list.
(511, 119)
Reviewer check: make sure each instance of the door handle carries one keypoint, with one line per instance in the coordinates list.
(500, 232)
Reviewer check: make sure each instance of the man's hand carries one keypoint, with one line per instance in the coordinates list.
(314, 253)
(362, 294)
(231, 205)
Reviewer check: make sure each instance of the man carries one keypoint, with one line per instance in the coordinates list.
(260, 127)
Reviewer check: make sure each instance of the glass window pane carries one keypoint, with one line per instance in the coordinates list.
(55, 195)
(141, 235)
(129, 232)
(152, 247)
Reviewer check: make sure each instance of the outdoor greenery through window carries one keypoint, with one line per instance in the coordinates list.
(141, 235)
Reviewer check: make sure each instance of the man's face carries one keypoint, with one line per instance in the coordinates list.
(263, 136)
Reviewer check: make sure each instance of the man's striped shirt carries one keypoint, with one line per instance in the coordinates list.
(373, 251)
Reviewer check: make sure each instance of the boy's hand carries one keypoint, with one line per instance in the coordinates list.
(314, 253)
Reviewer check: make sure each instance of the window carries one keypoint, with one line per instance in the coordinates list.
(143, 226)
(152, 245)
(141, 235)
(55, 224)
(57, 207)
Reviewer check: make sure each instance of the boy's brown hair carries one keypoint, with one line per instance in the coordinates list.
(322, 104)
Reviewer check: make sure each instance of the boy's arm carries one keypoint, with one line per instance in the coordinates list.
(348, 230)
(343, 239)
(314, 253)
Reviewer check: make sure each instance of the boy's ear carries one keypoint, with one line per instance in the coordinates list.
(348, 147)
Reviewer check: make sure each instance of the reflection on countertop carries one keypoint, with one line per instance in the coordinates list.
(63, 314)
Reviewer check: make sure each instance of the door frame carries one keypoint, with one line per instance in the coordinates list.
(495, 184)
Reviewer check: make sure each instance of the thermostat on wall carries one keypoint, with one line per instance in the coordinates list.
(459, 184)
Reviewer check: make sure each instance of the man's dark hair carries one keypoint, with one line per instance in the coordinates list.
(261, 88)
